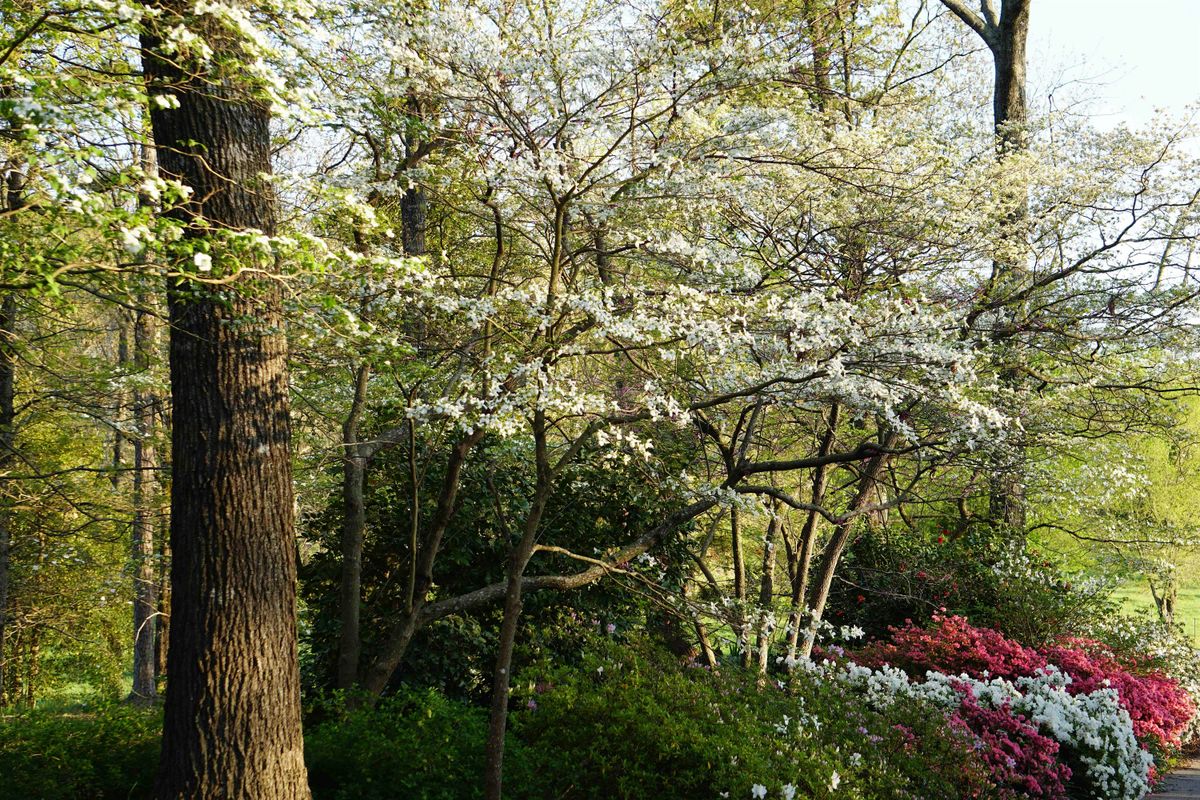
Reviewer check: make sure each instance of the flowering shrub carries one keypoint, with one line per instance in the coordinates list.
(1159, 707)
(1094, 733)
(952, 645)
(1022, 762)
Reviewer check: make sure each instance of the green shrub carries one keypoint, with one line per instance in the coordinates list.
(109, 751)
(416, 744)
(633, 723)
(1031, 596)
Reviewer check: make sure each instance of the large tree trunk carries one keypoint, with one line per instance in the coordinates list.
(232, 721)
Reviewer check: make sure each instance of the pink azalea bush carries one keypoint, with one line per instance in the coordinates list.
(1159, 707)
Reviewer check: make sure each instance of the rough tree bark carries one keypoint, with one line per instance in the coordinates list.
(232, 714)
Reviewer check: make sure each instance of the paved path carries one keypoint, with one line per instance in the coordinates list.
(1182, 784)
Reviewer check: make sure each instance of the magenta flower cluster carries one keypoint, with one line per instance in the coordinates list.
(1023, 763)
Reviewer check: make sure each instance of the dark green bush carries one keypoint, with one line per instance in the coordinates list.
(100, 753)
(634, 723)
(416, 745)
(893, 577)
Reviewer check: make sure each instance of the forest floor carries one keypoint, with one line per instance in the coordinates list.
(1181, 784)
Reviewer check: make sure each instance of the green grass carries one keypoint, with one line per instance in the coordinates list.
(1135, 595)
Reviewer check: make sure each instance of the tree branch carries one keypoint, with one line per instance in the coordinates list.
(985, 28)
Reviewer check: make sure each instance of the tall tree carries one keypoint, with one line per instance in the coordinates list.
(1005, 34)
(232, 724)
(145, 574)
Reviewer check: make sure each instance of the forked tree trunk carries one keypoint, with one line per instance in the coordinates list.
(808, 535)
(513, 601)
(232, 720)
(842, 533)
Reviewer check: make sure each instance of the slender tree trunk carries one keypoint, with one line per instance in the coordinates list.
(8, 314)
(120, 403)
(354, 523)
(163, 578)
(14, 200)
(706, 649)
(355, 459)
(518, 561)
(33, 666)
(232, 720)
(837, 543)
(766, 593)
(808, 535)
(741, 624)
(145, 573)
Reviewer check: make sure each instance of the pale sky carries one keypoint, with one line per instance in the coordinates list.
(1130, 55)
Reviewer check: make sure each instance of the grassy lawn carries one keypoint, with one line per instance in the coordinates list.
(1136, 595)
